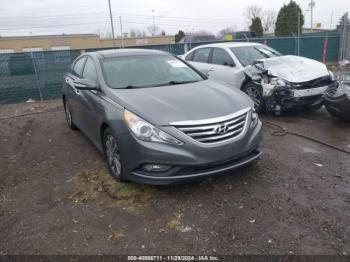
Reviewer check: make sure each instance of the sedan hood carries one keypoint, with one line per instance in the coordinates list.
(194, 101)
(295, 69)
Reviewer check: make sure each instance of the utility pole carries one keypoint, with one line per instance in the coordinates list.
(121, 30)
(298, 47)
(311, 5)
(154, 24)
(111, 17)
(330, 25)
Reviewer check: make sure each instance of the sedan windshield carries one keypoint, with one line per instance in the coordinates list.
(147, 71)
(247, 55)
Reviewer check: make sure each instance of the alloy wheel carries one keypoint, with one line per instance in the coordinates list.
(68, 114)
(255, 95)
(113, 156)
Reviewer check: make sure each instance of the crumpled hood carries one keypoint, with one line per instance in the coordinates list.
(295, 69)
(194, 101)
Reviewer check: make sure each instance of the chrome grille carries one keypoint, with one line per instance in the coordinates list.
(216, 129)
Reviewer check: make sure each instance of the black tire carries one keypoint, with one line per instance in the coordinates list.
(68, 114)
(113, 157)
(254, 91)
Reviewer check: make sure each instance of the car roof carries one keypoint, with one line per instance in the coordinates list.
(126, 52)
(231, 44)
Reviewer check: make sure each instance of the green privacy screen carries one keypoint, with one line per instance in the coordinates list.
(39, 75)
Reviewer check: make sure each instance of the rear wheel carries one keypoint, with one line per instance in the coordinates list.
(255, 93)
(112, 155)
(68, 114)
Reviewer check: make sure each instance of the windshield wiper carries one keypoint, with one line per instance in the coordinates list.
(129, 87)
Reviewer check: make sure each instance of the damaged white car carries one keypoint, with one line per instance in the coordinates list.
(274, 82)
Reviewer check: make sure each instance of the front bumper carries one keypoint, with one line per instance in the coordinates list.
(288, 98)
(188, 161)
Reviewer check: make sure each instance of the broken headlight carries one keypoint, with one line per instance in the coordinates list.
(276, 81)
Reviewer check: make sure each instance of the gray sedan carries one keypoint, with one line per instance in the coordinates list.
(157, 119)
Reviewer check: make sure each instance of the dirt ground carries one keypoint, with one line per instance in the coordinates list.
(57, 198)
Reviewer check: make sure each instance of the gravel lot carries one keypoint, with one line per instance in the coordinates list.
(56, 196)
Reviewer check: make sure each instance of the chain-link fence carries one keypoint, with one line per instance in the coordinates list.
(39, 75)
(344, 50)
(36, 75)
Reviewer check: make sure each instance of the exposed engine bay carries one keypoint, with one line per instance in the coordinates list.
(289, 82)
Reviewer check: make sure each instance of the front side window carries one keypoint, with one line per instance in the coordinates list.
(221, 57)
(90, 70)
(146, 71)
(247, 55)
(78, 66)
(201, 55)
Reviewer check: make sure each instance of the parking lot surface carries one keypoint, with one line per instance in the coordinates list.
(57, 198)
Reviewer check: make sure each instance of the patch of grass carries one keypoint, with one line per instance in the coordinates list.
(101, 186)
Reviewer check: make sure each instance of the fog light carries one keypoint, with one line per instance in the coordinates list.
(156, 168)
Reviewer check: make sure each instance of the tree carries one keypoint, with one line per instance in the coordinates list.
(132, 33)
(343, 22)
(153, 30)
(256, 26)
(223, 32)
(268, 20)
(179, 36)
(253, 11)
(288, 18)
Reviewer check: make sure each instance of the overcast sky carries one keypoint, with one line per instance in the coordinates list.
(25, 17)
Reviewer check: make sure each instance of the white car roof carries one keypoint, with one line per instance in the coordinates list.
(231, 44)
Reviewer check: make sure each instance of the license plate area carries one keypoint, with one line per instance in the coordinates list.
(310, 92)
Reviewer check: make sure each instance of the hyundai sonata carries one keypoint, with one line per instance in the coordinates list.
(157, 119)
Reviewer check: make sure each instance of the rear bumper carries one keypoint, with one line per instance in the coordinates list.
(199, 171)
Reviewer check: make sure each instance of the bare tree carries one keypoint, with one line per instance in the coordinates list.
(138, 33)
(132, 33)
(225, 31)
(153, 30)
(269, 18)
(253, 11)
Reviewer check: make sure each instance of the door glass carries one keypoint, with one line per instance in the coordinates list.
(78, 67)
(90, 70)
(201, 55)
(221, 57)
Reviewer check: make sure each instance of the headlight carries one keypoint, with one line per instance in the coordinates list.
(331, 74)
(278, 81)
(146, 131)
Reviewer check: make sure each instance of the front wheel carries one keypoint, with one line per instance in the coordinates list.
(255, 93)
(112, 155)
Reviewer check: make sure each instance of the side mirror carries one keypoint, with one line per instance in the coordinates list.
(228, 64)
(86, 84)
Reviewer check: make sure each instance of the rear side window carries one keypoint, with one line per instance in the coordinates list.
(221, 57)
(201, 55)
(90, 70)
(78, 66)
